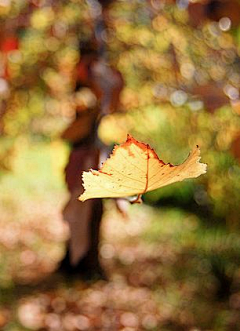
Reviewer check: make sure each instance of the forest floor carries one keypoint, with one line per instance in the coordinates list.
(158, 262)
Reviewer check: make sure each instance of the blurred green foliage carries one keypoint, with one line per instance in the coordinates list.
(181, 89)
(181, 83)
(31, 196)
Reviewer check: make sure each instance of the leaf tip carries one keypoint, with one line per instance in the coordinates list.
(203, 166)
(129, 138)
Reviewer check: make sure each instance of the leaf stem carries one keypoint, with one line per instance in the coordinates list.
(137, 200)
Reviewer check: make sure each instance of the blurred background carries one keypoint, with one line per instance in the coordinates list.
(172, 263)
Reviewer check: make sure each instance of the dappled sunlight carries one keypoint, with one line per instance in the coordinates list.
(159, 276)
(76, 77)
(28, 218)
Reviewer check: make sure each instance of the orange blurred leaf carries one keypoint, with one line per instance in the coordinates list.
(134, 169)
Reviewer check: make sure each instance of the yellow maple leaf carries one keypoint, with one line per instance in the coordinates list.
(134, 168)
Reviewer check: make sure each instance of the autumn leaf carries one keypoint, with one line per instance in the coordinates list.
(134, 168)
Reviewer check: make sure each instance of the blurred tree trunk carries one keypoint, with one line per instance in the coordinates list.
(83, 218)
(98, 87)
